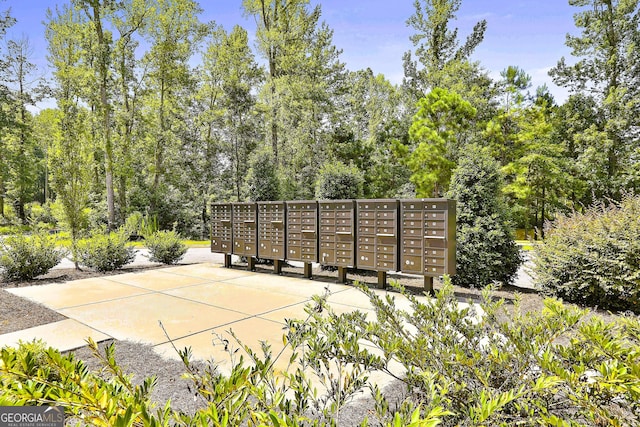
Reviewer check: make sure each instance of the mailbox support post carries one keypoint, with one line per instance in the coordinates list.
(382, 280)
(251, 263)
(277, 266)
(342, 274)
(307, 270)
(428, 284)
(227, 260)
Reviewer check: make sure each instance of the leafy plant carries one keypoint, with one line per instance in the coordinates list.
(460, 365)
(339, 181)
(24, 257)
(165, 247)
(593, 257)
(485, 249)
(105, 252)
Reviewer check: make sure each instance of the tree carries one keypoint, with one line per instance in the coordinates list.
(437, 131)
(19, 141)
(339, 181)
(485, 249)
(607, 69)
(438, 49)
(6, 21)
(173, 36)
(70, 154)
(262, 180)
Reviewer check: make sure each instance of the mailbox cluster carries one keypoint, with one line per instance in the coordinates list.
(410, 236)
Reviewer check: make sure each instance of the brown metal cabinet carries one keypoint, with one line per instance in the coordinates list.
(302, 233)
(377, 241)
(428, 230)
(221, 231)
(337, 235)
(245, 232)
(271, 232)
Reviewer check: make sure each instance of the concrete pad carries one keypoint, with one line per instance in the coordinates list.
(210, 345)
(237, 298)
(77, 293)
(138, 319)
(64, 335)
(156, 280)
(209, 271)
(287, 285)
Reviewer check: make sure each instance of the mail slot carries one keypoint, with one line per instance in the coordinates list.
(221, 229)
(302, 220)
(429, 241)
(338, 232)
(245, 232)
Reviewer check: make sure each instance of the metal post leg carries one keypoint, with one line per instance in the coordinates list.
(342, 274)
(428, 284)
(382, 280)
(277, 266)
(227, 260)
(307, 270)
(251, 263)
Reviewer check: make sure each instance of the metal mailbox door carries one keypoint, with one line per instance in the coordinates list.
(377, 234)
(221, 230)
(337, 232)
(245, 232)
(271, 230)
(302, 231)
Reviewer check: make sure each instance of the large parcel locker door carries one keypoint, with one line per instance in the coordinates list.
(302, 233)
(271, 231)
(245, 232)
(377, 229)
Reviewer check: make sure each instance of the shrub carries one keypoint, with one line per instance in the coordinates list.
(25, 257)
(262, 180)
(105, 252)
(460, 365)
(486, 251)
(339, 181)
(165, 247)
(593, 257)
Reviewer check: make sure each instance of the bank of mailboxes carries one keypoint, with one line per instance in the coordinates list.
(412, 236)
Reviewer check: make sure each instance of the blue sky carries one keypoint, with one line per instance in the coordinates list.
(373, 33)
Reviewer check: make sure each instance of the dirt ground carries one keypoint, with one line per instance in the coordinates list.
(140, 360)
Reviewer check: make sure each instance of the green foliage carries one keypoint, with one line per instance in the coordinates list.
(24, 257)
(165, 247)
(485, 249)
(460, 364)
(594, 257)
(339, 181)
(436, 130)
(105, 251)
(263, 182)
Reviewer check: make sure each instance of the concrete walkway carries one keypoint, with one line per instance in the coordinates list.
(190, 305)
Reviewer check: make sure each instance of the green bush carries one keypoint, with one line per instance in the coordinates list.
(262, 180)
(24, 257)
(165, 247)
(593, 258)
(461, 366)
(339, 181)
(105, 252)
(486, 251)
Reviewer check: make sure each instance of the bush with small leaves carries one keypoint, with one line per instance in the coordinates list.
(339, 181)
(105, 251)
(165, 247)
(593, 258)
(24, 257)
